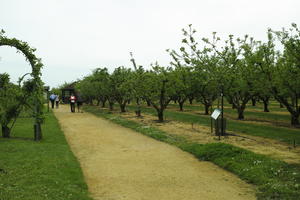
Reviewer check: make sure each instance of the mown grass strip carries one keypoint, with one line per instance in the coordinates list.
(249, 114)
(274, 179)
(281, 134)
(39, 170)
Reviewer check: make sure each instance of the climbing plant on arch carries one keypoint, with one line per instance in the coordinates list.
(37, 84)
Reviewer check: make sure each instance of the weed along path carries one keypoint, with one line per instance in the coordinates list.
(119, 163)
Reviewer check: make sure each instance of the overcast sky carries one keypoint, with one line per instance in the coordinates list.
(74, 36)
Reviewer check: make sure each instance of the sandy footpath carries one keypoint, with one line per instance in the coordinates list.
(119, 164)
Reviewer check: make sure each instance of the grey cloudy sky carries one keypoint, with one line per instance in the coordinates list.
(73, 37)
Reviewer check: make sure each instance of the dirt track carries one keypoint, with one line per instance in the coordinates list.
(119, 163)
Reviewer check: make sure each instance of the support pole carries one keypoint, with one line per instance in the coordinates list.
(48, 100)
(211, 121)
(222, 114)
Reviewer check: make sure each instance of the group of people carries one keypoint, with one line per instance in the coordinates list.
(54, 99)
(75, 100)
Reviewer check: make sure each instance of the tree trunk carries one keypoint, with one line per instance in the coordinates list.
(281, 105)
(103, 103)
(295, 119)
(98, 102)
(191, 100)
(138, 109)
(138, 113)
(253, 101)
(240, 113)
(181, 105)
(37, 132)
(148, 103)
(5, 132)
(266, 103)
(111, 106)
(122, 107)
(160, 115)
(206, 109)
(91, 102)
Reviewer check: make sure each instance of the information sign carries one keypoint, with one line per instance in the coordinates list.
(216, 114)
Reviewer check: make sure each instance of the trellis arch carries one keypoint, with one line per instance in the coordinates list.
(36, 66)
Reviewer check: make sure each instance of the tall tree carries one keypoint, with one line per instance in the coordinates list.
(201, 66)
(159, 89)
(283, 69)
(138, 85)
(181, 76)
(122, 87)
(236, 78)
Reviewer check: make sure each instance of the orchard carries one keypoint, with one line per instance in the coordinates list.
(242, 69)
(100, 149)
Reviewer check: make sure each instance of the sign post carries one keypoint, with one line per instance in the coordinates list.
(215, 116)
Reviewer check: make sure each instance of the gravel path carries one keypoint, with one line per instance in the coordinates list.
(120, 164)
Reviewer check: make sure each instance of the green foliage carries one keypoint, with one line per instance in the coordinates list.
(201, 66)
(10, 100)
(13, 99)
(282, 70)
(159, 88)
(241, 69)
(36, 64)
(102, 86)
(56, 90)
(156, 81)
(121, 86)
(95, 86)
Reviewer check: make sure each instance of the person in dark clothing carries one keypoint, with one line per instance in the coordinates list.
(79, 103)
(72, 103)
(52, 99)
(57, 101)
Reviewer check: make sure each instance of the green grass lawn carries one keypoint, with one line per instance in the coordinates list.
(274, 179)
(278, 133)
(39, 170)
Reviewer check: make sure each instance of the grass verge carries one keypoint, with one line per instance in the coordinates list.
(274, 179)
(39, 170)
(281, 134)
(249, 113)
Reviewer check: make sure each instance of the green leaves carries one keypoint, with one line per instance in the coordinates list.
(10, 100)
(36, 91)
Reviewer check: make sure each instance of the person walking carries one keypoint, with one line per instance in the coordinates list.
(57, 101)
(52, 99)
(79, 103)
(72, 102)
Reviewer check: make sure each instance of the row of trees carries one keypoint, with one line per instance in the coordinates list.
(241, 69)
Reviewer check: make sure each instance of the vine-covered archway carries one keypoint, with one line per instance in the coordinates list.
(36, 66)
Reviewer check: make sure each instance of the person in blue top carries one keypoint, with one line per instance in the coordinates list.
(52, 99)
